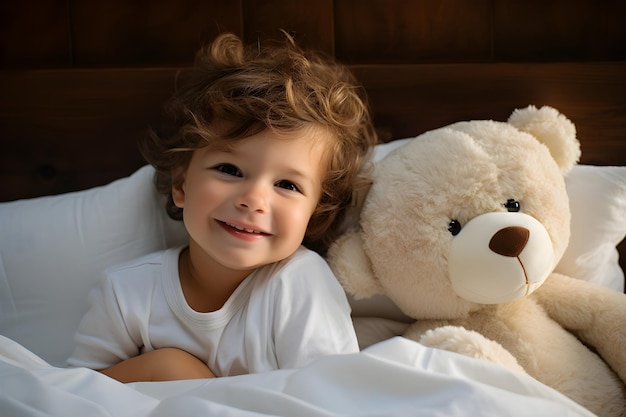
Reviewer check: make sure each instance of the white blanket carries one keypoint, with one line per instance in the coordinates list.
(396, 377)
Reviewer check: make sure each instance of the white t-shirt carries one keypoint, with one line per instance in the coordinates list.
(283, 315)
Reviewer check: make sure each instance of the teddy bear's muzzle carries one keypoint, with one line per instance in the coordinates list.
(500, 257)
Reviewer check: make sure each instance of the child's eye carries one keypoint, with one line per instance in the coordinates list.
(228, 169)
(287, 185)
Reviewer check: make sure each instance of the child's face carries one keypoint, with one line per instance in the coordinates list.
(250, 205)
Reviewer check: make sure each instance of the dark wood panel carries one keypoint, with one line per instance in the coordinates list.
(109, 33)
(311, 23)
(64, 130)
(146, 32)
(35, 34)
(559, 30)
(407, 100)
(412, 31)
(67, 130)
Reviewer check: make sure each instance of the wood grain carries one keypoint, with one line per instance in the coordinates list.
(65, 130)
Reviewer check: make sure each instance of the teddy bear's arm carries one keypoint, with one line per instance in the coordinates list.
(466, 342)
(352, 267)
(596, 315)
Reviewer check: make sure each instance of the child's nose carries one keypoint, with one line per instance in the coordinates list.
(253, 198)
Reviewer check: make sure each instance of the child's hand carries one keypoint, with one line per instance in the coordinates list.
(165, 364)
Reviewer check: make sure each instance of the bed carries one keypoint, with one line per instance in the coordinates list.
(76, 197)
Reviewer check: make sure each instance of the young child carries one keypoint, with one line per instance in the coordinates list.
(261, 152)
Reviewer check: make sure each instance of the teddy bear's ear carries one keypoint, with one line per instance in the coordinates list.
(352, 266)
(553, 129)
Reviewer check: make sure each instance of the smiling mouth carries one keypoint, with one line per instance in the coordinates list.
(243, 229)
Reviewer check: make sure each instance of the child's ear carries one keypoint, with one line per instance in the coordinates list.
(178, 187)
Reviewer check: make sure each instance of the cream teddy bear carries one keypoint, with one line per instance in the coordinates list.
(462, 228)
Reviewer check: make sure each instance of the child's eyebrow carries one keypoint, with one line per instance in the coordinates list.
(222, 149)
(300, 175)
(218, 150)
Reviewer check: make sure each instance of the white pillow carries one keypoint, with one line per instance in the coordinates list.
(53, 249)
(598, 205)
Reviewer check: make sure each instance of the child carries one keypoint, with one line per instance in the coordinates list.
(261, 152)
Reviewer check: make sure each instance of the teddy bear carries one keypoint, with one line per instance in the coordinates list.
(462, 228)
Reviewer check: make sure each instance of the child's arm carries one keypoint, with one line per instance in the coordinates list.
(159, 365)
(107, 342)
(103, 337)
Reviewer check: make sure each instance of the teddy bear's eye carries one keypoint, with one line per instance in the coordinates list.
(512, 205)
(454, 227)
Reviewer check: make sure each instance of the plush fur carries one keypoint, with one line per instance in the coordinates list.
(462, 228)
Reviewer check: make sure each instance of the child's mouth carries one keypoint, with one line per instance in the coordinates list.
(244, 229)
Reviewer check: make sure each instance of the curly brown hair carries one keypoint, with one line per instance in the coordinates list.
(235, 91)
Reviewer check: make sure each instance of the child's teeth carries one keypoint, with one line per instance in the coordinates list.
(242, 228)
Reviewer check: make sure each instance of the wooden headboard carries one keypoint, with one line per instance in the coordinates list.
(78, 86)
(69, 129)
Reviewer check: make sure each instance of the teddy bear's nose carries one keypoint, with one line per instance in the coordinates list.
(509, 241)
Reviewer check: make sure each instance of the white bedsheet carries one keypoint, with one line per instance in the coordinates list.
(396, 377)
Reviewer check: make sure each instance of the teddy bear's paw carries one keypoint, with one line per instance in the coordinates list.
(470, 343)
